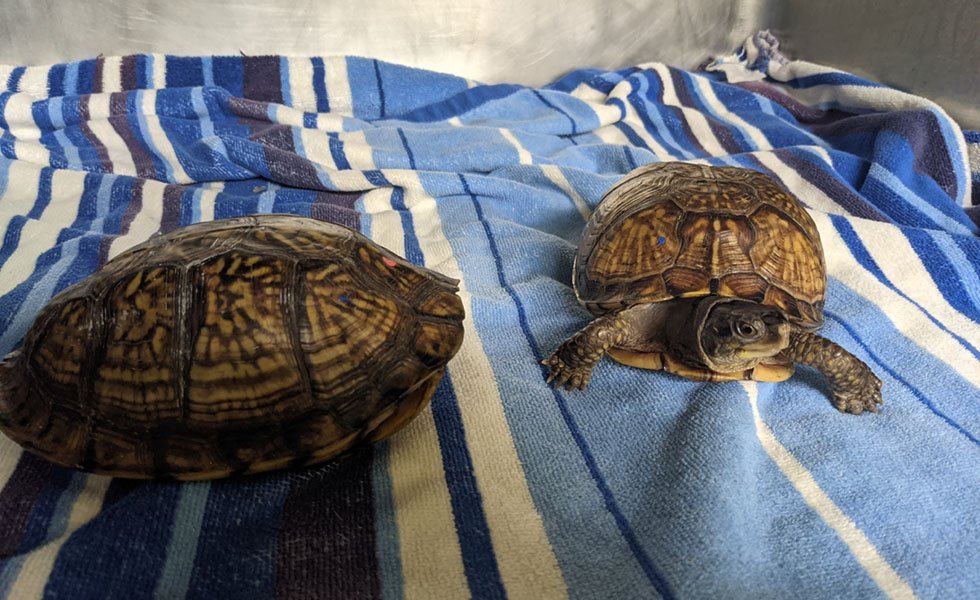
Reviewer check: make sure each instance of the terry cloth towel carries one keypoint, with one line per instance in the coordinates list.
(646, 485)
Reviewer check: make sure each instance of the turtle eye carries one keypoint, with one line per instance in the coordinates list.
(744, 329)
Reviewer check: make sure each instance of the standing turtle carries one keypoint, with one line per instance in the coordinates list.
(711, 273)
(233, 346)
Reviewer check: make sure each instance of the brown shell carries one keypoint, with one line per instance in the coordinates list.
(238, 345)
(671, 230)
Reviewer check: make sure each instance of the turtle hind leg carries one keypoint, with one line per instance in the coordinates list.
(854, 386)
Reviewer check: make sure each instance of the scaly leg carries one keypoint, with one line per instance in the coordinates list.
(571, 365)
(854, 386)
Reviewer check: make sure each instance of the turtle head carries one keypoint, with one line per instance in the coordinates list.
(736, 334)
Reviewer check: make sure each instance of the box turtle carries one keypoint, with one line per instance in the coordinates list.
(711, 273)
(233, 346)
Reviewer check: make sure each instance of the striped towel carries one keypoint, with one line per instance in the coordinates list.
(646, 485)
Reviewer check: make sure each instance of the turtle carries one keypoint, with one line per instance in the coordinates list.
(713, 273)
(227, 347)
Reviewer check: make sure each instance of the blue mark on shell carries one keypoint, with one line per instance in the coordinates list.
(661, 240)
(344, 299)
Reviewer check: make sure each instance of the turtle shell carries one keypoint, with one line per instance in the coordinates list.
(672, 230)
(231, 346)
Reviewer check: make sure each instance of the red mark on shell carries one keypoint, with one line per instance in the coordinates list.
(388, 261)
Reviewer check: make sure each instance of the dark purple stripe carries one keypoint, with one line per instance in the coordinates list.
(679, 117)
(337, 207)
(135, 204)
(97, 71)
(281, 161)
(919, 128)
(18, 498)
(173, 196)
(838, 191)
(100, 149)
(327, 545)
(119, 109)
(127, 71)
(723, 134)
(801, 112)
(262, 78)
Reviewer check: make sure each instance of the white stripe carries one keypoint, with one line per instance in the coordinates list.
(386, 224)
(634, 122)
(159, 137)
(557, 177)
(908, 319)
(528, 566)
(301, 84)
(903, 267)
(118, 153)
(316, 147)
(208, 198)
(432, 563)
(754, 134)
(5, 72)
(23, 180)
(694, 118)
(607, 114)
(112, 74)
(35, 82)
(841, 264)
(19, 114)
(523, 156)
(146, 222)
(358, 152)
(10, 454)
(40, 235)
(159, 71)
(39, 563)
(338, 87)
(288, 115)
(863, 550)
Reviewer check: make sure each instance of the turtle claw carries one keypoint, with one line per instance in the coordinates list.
(562, 375)
(863, 397)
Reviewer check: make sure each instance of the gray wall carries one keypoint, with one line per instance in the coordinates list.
(927, 47)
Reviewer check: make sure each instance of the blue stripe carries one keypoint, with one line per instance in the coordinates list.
(13, 81)
(408, 149)
(836, 78)
(381, 90)
(386, 525)
(544, 100)
(71, 79)
(188, 516)
(320, 85)
(128, 560)
(861, 254)
(476, 547)
(413, 252)
(287, 92)
(655, 578)
(894, 375)
(475, 544)
(63, 500)
(956, 285)
(12, 238)
(337, 151)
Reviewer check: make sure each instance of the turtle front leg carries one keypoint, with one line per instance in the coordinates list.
(572, 363)
(854, 386)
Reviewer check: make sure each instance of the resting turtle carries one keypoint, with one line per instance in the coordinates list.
(233, 346)
(711, 273)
